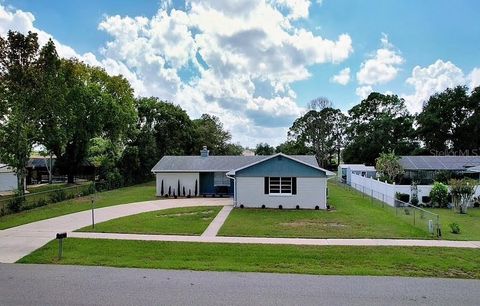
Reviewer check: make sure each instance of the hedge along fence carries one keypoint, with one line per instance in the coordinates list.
(16, 203)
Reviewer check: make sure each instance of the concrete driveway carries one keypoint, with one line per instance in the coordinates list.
(17, 242)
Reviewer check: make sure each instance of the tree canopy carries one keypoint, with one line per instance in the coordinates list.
(380, 123)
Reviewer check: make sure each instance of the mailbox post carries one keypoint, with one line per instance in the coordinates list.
(60, 237)
(93, 211)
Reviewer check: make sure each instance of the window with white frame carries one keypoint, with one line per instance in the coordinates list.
(280, 185)
(220, 179)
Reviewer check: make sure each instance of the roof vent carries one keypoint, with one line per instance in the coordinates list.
(204, 152)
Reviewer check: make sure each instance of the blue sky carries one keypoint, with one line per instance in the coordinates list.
(252, 67)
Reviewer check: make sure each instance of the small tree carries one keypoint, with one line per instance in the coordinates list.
(196, 187)
(178, 188)
(462, 192)
(388, 167)
(169, 191)
(161, 190)
(414, 191)
(183, 191)
(439, 194)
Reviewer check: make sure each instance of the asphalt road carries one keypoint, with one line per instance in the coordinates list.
(75, 285)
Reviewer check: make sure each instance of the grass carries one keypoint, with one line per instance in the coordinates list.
(469, 223)
(354, 217)
(137, 193)
(175, 221)
(338, 260)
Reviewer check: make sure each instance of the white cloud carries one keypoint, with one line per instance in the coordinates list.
(342, 78)
(363, 91)
(474, 78)
(382, 67)
(233, 59)
(298, 8)
(432, 79)
(251, 43)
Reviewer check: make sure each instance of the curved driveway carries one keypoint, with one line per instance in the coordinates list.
(17, 242)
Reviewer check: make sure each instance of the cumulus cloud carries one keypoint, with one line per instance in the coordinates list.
(474, 78)
(382, 67)
(239, 67)
(429, 80)
(363, 91)
(243, 63)
(297, 8)
(342, 78)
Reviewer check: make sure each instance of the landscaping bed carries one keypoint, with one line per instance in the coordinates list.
(175, 221)
(335, 260)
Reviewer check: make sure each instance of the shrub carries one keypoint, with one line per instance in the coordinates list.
(404, 197)
(114, 180)
(87, 191)
(58, 196)
(16, 203)
(455, 228)
(426, 199)
(414, 200)
(439, 194)
(41, 202)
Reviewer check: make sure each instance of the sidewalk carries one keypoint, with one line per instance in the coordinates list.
(291, 241)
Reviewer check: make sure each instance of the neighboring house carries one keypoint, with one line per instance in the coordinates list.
(254, 181)
(424, 168)
(37, 170)
(8, 178)
(345, 172)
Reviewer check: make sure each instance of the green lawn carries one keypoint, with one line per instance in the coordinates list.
(175, 221)
(142, 192)
(354, 216)
(469, 223)
(338, 260)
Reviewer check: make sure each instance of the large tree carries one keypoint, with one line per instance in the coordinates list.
(18, 100)
(209, 132)
(380, 123)
(51, 99)
(170, 125)
(320, 131)
(264, 149)
(446, 121)
(292, 147)
(93, 104)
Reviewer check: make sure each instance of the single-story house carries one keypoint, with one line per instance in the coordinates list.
(8, 178)
(345, 171)
(274, 181)
(423, 169)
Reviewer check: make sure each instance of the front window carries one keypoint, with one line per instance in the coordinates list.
(280, 185)
(220, 179)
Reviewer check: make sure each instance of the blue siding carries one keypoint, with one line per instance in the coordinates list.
(280, 166)
(206, 183)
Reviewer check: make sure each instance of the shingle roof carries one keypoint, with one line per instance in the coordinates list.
(358, 167)
(452, 163)
(216, 163)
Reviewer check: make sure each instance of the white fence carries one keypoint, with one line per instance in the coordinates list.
(385, 192)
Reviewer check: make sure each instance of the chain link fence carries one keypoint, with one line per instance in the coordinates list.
(418, 217)
(16, 203)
